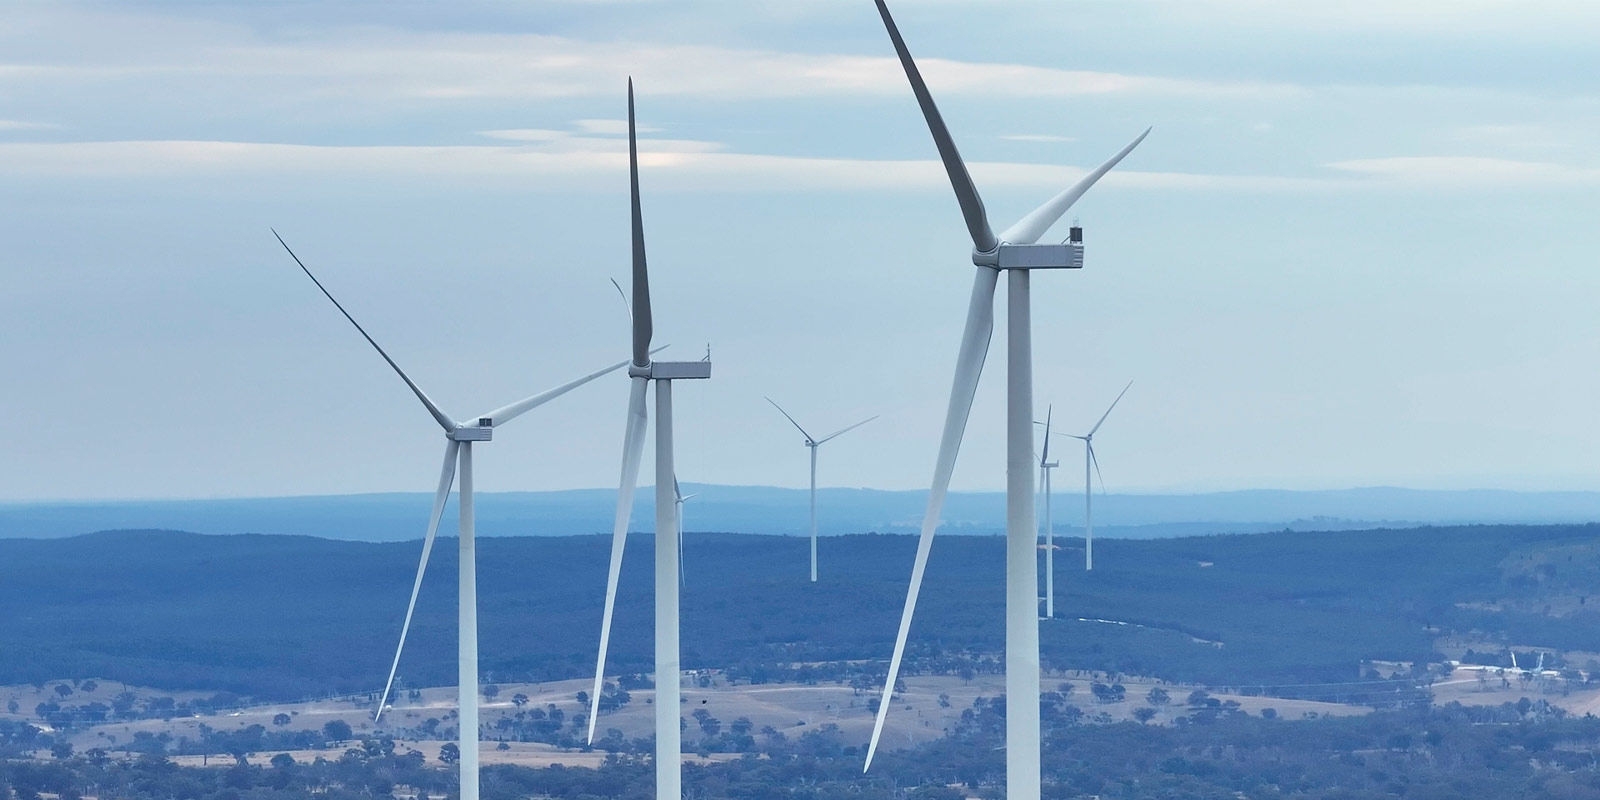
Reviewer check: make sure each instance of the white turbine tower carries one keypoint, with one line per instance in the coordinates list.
(669, 767)
(1016, 252)
(812, 444)
(1089, 460)
(1045, 465)
(458, 448)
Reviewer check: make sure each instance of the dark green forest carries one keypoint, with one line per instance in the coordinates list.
(284, 617)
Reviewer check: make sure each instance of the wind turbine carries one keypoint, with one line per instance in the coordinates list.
(812, 444)
(680, 498)
(1088, 461)
(1045, 465)
(458, 449)
(1016, 252)
(669, 767)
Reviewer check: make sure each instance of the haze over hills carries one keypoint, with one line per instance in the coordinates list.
(770, 510)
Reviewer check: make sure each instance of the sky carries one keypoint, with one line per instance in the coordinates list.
(1356, 250)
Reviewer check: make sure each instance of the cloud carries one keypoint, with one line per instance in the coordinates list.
(21, 125)
(1469, 172)
(611, 127)
(1037, 137)
(379, 65)
(675, 164)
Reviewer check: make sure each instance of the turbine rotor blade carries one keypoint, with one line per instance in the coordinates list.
(796, 425)
(966, 192)
(1031, 227)
(1095, 460)
(1045, 458)
(446, 477)
(632, 451)
(969, 366)
(444, 420)
(501, 416)
(841, 432)
(1108, 410)
(642, 330)
(624, 296)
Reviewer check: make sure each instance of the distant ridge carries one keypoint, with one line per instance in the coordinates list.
(771, 510)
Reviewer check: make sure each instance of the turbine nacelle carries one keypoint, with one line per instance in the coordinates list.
(1024, 255)
(483, 431)
(672, 370)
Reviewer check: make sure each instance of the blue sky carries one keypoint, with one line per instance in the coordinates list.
(1358, 248)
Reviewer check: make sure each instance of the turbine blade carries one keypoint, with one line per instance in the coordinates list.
(838, 433)
(632, 451)
(677, 493)
(501, 416)
(791, 419)
(444, 420)
(1095, 460)
(1045, 458)
(642, 330)
(1108, 410)
(966, 192)
(969, 366)
(1031, 227)
(446, 478)
(624, 296)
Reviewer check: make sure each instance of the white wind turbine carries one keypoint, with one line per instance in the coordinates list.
(458, 448)
(1089, 460)
(679, 499)
(1016, 252)
(812, 444)
(1045, 465)
(669, 767)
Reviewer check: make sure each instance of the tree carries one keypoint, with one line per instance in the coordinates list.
(282, 761)
(337, 731)
(1158, 697)
(280, 719)
(61, 750)
(450, 753)
(1144, 713)
(63, 690)
(490, 691)
(519, 699)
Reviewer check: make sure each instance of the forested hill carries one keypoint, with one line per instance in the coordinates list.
(759, 509)
(289, 617)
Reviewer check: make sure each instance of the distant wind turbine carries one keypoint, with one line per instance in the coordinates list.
(458, 448)
(1045, 465)
(680, 499)
(1089, 460)
(669, 745)
(812, 444)
(1016, 252)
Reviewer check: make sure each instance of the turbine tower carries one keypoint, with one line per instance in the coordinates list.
(459, 437)
(1016, 252)
(812, 444)
(669, 767)
(1089, 460)
(1045, 465)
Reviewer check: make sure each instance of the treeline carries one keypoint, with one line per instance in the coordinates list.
(278, 617)
(1527, 750)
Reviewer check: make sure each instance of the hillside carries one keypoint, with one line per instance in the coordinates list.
(289, 617)
(768, 510)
